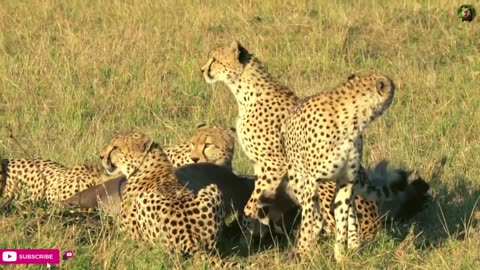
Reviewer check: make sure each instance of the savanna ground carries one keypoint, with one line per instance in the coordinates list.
(73, 73)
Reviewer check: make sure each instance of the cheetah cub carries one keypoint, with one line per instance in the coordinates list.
(322, 138)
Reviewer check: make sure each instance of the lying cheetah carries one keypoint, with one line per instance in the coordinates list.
(212, 144)
(45, 179)
(282, 210)
(263, 105)
(322, 140)
(38, 179)
(155, 206)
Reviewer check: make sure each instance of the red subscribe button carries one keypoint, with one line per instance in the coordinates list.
(30, 256)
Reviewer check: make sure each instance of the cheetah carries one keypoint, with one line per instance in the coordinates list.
(41, 179)
(263, 105)
(322, 140)
(282, 209)
(212, 144)
(209, 144)
(46, 179)
(155, 206)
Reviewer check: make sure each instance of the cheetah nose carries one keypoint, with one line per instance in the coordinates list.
(101, 157)
(195, 159)
(202, 69)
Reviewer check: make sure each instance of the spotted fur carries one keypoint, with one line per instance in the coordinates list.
(155, 206)
(39, 179)
(212, 144)
(264, 104)
(322, 139)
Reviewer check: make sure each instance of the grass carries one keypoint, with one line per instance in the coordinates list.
(73, 73)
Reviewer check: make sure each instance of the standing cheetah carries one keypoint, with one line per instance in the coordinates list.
(263, 105)
(155, 206)
(321, 138)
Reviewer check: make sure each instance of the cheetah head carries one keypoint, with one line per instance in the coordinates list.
(226, 64)
(376, 91)
(125, 153)
(213, 145)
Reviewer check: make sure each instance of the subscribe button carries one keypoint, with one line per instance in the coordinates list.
(30, 256)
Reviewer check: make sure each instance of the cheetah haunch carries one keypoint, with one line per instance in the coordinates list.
(323, 141)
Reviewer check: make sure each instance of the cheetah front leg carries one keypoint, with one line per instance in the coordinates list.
(342, 218)
(353, 241)
(346, 222)
(269, 177)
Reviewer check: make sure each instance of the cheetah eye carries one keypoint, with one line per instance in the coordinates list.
(207, 145)
(113, 149)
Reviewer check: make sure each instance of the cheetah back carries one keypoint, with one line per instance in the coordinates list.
(45, 179)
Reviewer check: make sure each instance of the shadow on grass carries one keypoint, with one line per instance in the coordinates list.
(450, 213)
(235, 242)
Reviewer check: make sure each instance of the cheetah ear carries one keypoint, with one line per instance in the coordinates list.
(200, 125)
(351, 76)
(234, 48)
(233, 132)
(383, 85)
(240, 53)
(147, 143)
